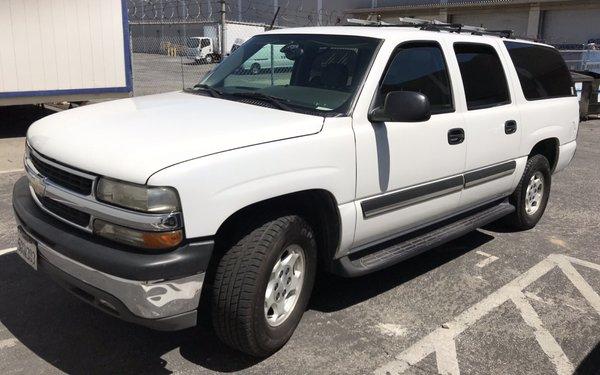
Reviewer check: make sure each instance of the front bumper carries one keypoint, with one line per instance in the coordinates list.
(161, 291)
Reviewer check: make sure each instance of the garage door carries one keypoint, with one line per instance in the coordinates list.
(571, 26)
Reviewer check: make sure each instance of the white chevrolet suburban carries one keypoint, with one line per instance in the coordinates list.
(376, 144)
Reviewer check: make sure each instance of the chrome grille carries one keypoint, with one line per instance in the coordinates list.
(75, 216)
(68, 194)
(61, 177)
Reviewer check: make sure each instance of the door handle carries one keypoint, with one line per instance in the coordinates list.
(510, 127)
(456, 136)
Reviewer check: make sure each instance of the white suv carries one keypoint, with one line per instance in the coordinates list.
(377, 144)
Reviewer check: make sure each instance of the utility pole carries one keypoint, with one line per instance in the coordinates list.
(223, 28)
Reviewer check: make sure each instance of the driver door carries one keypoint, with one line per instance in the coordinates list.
(409, 174)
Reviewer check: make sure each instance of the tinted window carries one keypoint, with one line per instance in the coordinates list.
(482, 74)
(542, 71)
(420, 67)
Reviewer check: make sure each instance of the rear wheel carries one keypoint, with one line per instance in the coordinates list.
(263, 284)
(531, 195)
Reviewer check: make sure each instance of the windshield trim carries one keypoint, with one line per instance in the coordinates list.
(352, 101)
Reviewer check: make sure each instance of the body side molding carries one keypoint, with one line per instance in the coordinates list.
(407, 197)
(413, 195)
(486, 174)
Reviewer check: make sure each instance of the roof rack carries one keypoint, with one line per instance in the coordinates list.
(431, 25)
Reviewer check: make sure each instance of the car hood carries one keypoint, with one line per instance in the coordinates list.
(130, 139)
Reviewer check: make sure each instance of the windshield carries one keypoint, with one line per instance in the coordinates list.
(316, 73)
(193, 42)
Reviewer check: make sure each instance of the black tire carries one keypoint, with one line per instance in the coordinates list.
(521, 219)
(208, 59)
(241, 277)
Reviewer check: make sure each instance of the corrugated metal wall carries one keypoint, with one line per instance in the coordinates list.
(48, 45)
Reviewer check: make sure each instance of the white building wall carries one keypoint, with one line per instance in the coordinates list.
(50, 45)
(571, 26)
(498, 20)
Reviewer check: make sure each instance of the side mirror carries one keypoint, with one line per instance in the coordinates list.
(402, 106)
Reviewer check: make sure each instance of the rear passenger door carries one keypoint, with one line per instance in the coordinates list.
(492, 131)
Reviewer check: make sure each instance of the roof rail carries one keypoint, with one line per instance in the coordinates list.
(431, 25)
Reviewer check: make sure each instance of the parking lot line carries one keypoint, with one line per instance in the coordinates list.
(441, 340)
(489, 259)
(544, 338)
(8, 251)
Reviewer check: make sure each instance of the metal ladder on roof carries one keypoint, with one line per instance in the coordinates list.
(431, 25)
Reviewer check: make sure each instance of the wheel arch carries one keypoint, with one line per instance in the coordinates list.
(317, 206)
(549, 148)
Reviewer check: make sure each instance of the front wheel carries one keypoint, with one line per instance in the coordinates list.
(208, 59)
(531, 195)
(263, 284)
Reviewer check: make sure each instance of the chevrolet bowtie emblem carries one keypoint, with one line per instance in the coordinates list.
(38, 184)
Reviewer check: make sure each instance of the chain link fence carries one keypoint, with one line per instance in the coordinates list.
(175, 43)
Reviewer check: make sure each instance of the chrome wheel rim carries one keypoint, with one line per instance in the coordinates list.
(534, 193)
(285, 285)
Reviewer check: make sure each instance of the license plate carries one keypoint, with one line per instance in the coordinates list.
(27, 249)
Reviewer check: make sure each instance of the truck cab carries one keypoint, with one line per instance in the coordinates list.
(202, 50)
(373, 145)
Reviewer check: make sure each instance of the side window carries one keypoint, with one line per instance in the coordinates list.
(204, 43)
(482, 74)
(420, 67)
(542, 71)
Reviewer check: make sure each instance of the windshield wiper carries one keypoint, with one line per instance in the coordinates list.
(278, 102)
(201, 86)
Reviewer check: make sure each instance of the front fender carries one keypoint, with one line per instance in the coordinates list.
(214, 187)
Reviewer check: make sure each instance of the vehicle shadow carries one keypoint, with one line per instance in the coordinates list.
(15, 120)
(334, 293)
(75, 338)
(591, 363)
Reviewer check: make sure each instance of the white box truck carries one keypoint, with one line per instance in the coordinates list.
(207, 48)
(54, 51)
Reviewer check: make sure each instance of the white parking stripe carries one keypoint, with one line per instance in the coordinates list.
(12, 171)
(445, 356)
(584, 288)
(547, 342)
(440, 340)
(489, 259)
(8, 251)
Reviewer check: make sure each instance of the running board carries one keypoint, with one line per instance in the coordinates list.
(397, 250)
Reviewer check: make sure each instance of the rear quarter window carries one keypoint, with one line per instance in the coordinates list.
(542, 72)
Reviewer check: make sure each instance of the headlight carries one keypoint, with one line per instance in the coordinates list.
(138, 197)
(146, 240)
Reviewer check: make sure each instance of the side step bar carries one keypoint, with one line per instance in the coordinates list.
(404, 247)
